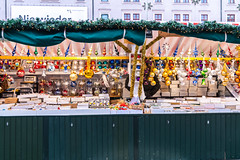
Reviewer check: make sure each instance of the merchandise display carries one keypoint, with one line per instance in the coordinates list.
(123, 71)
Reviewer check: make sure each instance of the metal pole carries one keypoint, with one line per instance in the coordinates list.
(220, 10)
(5, 9)
(92, 9)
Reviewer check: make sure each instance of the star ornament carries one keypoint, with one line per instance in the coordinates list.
(237, 48)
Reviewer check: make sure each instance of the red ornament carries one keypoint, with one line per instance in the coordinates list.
(93, 63)
(31, 70)
(93, 67)
(64, 92)
(20, 73)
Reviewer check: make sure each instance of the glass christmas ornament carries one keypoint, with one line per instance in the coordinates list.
(73, 84)
(224, 83)
(73, 76)
(20, 73)
(237, 80)
(203, 82)
(151, 74)
(168, 83)
(153, 83)
(150, 79)
(165, 74)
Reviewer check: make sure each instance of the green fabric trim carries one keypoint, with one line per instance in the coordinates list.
(34, 38)
(95, 36)
(135, 36)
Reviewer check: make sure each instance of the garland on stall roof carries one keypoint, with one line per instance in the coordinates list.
(120, 44)
(152, 42)
(101, 24)
(133, 71)
(140, 87)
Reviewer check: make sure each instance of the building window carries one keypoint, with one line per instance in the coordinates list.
(104, 0)
(231, 1)
(126, 0)
(127, 16)
(231, 17)
(135, 0)
(157, 1)
(185, 17)
(136, 16)
(104, 16)
(158, 17)
(203, 1)
(176, 1)
(176, 17)
(204, 17)
(49, 0)
(185, 1)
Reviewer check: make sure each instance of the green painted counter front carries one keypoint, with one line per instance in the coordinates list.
(120, 137)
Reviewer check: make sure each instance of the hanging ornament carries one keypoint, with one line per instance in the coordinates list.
(210, 53)
(96, 52)
(73, 76)
(14, 50)
(230, 52)
(36, 52)
(116, 50)
(159, 50)
(83, 50)
(31, 70)
(104, 51)
(67, 50)
(88, 72)
(28, 52)
(218, 51)
(195, 51)
(225, 74)
(44, 51)
(222, 52)
(175, 52)
(58, 51)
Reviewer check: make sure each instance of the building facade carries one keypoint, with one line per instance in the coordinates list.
(159, 10)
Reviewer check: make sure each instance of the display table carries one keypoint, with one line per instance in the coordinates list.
(112, 137)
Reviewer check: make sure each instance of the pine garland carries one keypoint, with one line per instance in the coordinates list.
(152, 42)
(140, 87)
(133, 71)
(120, 44)
(101, 24)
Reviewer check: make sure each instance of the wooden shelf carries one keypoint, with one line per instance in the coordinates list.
(65, 58)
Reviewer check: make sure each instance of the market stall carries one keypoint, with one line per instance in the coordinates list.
(119, 90)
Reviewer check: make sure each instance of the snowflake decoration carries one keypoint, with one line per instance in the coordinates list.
(166, 46)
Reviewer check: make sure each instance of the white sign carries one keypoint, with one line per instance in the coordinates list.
(49, 13)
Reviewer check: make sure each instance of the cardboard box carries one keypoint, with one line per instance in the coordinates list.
(10, 100)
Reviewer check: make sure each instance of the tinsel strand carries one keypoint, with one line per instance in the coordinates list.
(152, 42)
(140, 87)
(133, 71)
(120, 44)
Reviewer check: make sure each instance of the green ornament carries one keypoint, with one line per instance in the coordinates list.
(205, 76)
(218, 53)
(96, 52)
(205, 70)
(203, 82)
(203, 73)
(36, 52)
(58, 51)
(202, 53)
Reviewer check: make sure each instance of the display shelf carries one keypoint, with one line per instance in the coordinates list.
(38, 73)
(65, 58)
(106, 58)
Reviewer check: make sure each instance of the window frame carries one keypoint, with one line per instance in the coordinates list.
(204, 1)
(230, 19)
(138, 16)
(185, 17)
(177, 19)
(126, 14)
(204, 15)
(157, 19)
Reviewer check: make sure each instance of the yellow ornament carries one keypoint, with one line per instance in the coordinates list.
(224, 83)
(238, 72)
(237, 80)
(224, 70)
(225, 79)
(238, 84)
(168, 83)
(88, 73)
(165, 74)
(170, 72)
(151, 74)
(155, 70)
(73, 76)
(167, 78)
(68, 67)
(150, 79)
(153, 83)
(62, 67)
